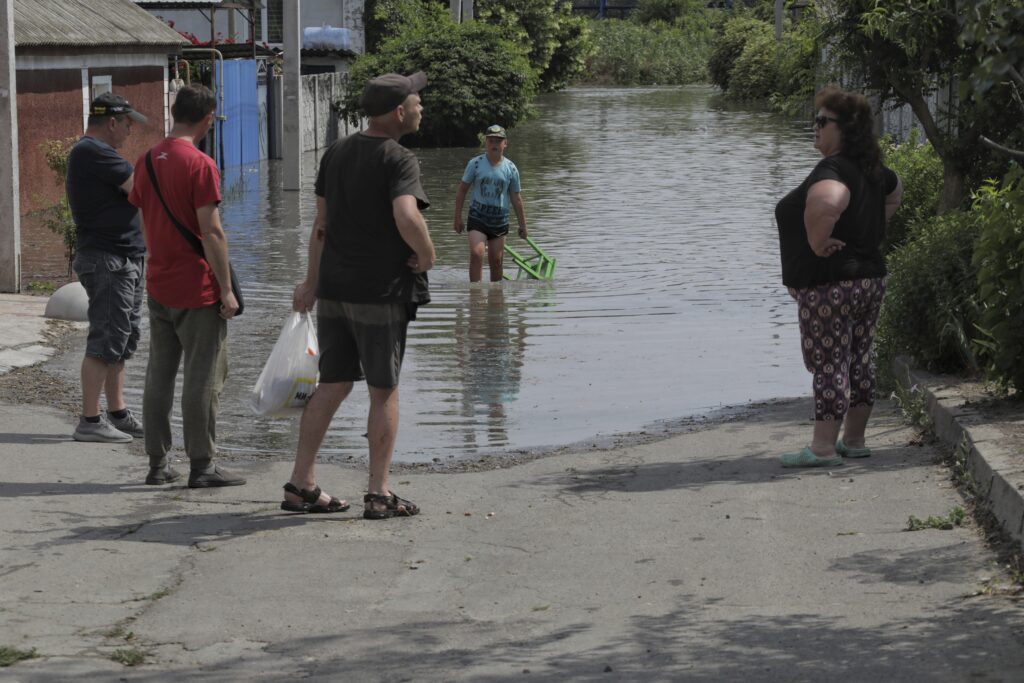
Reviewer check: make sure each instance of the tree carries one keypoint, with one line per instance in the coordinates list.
(669, 11)
(905, 50)
(477, 77)
(551, 36)
(995, 32)
(58, 216)
(384, 18)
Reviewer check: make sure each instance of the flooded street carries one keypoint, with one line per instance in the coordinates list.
(667, 301)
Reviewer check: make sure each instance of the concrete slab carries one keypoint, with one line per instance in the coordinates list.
(22, 343)
(695, 558)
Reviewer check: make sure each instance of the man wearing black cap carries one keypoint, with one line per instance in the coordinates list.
(368, 260)
(109, 262)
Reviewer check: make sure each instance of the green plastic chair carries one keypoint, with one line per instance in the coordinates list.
(539, 266)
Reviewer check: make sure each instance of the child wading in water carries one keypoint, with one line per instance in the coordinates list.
(495, 183)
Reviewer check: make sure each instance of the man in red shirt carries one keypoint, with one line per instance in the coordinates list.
(190, 296)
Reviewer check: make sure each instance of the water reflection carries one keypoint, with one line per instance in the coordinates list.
(490, 344)
(657, 203)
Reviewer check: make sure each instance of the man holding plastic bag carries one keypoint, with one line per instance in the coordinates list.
(369, 254)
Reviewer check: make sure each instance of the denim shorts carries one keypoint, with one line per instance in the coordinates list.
(115, 287)
(361, 339)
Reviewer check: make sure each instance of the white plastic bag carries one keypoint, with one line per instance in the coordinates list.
(289, 377)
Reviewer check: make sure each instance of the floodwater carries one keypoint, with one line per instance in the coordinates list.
(666, 302)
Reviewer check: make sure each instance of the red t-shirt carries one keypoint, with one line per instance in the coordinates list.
(176, 276)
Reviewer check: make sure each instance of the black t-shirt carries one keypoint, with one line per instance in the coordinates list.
(104, 218)
(364, 256)
(861, 226)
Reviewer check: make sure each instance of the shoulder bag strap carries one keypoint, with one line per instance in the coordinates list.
(189, 236)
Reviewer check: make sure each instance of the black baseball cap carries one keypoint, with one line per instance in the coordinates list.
(385, 92)
(109, 104)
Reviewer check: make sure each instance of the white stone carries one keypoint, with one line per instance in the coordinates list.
(69, 303)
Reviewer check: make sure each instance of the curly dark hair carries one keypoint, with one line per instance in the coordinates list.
(857, 125)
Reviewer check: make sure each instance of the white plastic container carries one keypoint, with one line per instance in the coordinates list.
(326, 37)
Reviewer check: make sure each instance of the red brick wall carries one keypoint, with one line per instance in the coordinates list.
(50, 108)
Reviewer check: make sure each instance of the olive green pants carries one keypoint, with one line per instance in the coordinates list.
(200, 335)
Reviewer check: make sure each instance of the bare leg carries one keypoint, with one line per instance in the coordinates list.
(113, 386)
(825, 434)
(94, 376)
(477, 249)
(854, 426)
(382, 430)
(316, 418)
(495, 256)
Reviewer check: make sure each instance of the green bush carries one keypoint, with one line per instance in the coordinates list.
(385, 18)
(626, 53)
(569, 60)
(999, 258)
(58, 216)
(729, 45)
(668, 11)
(920, 171)
(798, 68)
(477, 77)
(557, 40)
(756, 72)
(930, 310)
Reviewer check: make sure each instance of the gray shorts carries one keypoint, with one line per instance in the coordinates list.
(361, 340)
(114, 285)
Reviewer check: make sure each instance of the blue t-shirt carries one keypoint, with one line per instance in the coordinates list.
(104, 218)
(491, 188)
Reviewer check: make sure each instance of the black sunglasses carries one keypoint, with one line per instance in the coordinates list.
(822, 121)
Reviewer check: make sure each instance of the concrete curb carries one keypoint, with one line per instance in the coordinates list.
(997, 469)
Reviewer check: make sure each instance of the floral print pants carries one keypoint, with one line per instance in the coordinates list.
(837, 331)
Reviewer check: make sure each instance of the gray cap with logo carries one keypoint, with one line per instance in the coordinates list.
(384, 93)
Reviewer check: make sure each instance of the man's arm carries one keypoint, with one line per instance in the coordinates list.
(517, 203)
(305, 292)
(413, 229)
(826, 201)
(460, 198)
(127, 185)
(215, 247)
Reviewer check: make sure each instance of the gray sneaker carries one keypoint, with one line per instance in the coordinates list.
(213, 478)
(102, 432)
(129, 424)
(162, 475)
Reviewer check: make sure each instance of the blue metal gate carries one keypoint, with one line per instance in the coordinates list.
(240, 131)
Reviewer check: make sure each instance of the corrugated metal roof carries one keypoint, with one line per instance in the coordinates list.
(88, 23)
(199, 4)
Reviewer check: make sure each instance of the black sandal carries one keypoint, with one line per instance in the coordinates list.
(393, 506)
(309, 502)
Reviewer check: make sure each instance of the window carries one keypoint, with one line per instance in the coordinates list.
(100, 85)
(275, 18)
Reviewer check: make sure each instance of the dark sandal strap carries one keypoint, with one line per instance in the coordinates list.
(410, 507)
(392, 504)
(335, 505)
(306, 495)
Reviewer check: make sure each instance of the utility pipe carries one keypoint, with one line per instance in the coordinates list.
(215, 54)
